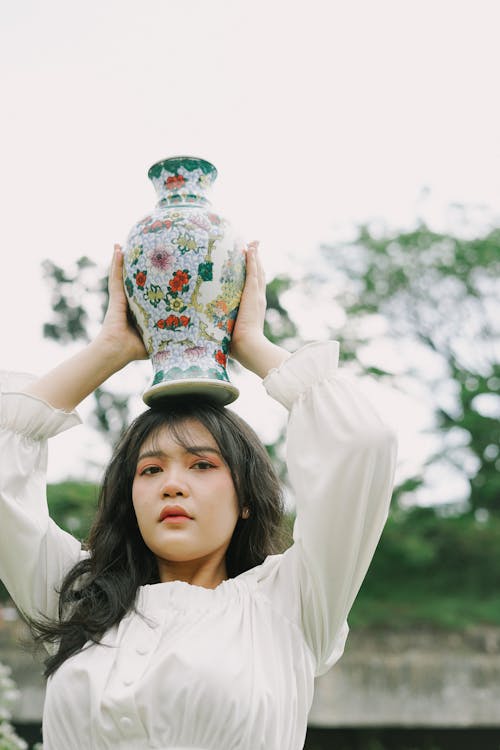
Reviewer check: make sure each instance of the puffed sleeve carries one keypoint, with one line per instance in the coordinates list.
(341, 462)
(35, 553)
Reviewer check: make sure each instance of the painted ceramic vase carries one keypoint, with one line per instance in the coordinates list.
(184, 271)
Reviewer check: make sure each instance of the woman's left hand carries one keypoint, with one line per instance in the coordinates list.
(248, 344)
(249, 323)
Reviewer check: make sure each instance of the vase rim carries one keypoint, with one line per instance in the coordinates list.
(180, 158)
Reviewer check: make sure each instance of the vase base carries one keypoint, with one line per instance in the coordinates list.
(214, 390)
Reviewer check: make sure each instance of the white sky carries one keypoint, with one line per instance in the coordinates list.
(317, 114)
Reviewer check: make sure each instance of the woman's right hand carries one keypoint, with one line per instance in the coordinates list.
(117, 343)
(118, 334)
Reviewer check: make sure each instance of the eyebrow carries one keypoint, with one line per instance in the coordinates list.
(195, 450)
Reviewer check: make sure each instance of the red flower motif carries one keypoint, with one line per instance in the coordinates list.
(175, 284)
(172, 321)
(179, 280)
(160, 324)
(220, 357)
(230, 325)
(155, 225)
(185, 320)
(175, 182)
(167, 224)
(140, 279)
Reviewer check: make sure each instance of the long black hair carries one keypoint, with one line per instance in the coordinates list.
(99, 590)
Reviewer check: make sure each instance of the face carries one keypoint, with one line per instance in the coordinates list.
(197, 480)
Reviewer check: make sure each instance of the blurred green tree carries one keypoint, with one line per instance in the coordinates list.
(72, 505)
(435, 298)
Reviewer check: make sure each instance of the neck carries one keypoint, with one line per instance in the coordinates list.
(206, 574)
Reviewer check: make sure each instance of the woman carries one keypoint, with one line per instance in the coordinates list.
(178, 627)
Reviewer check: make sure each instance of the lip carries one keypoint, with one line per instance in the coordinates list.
(174, 514)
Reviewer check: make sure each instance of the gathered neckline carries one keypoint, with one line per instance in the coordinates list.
(184, 595)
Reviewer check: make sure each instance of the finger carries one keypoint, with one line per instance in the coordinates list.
(117, 255)
(249, 258)
(261, 275)
(253, 271)
(252, 247)
(255, 283)
(115, 283)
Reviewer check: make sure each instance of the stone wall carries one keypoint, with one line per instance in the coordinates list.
(418, 678)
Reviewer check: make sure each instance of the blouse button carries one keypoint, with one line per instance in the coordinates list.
(142, 650)
(126, 722)
(128, 681)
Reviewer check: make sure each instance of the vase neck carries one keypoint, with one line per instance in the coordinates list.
(182, 180)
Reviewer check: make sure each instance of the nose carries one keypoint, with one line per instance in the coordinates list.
(174, 485)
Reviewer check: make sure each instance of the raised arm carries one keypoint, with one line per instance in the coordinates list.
(35, 553)
(341, 461)
(117, 344)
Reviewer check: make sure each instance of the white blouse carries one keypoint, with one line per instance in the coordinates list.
(230, 668)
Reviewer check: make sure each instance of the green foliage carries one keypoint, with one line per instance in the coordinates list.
(447, 553)
(429, 570)
(72, 506)
(482, 431)
(68, 288)
(275, 451)
(440, 294)
(278, 326)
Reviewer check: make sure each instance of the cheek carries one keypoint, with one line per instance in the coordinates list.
(231, 509)
(139, 506)
(135, 498)
(219, 506)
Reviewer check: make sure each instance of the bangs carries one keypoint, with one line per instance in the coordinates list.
(180, 430)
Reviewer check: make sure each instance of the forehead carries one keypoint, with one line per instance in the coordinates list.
(188, 432)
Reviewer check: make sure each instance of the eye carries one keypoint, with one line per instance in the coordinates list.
(148, 470)
(203, 465)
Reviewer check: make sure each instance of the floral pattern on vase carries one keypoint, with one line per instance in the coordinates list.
(184, 272)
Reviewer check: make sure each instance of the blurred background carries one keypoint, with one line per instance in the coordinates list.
(359, 142)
